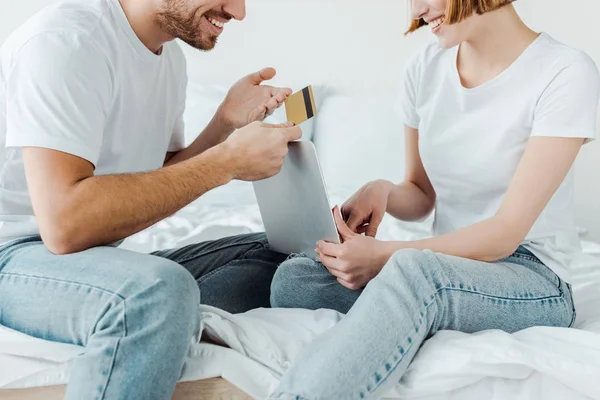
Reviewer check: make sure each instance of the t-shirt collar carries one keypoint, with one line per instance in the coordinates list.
(132, 37)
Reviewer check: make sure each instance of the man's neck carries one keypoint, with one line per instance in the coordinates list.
(500, 39)
(142, 18)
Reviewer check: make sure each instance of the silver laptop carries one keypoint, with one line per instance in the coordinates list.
(294, 204)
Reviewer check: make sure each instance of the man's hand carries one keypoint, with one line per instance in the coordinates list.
(249, 101)
(258, 150)
(354, 262)
(365, 210)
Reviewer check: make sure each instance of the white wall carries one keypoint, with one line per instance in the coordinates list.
(358, 46)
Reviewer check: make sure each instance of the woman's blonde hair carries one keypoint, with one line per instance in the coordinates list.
(459, 10)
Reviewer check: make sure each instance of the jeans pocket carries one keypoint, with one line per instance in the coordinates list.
(544, 271)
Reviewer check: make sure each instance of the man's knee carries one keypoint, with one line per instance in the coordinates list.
(260, 237)
(256, 240)
(169, 295)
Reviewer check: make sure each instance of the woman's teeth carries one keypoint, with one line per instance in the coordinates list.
(216, 23)
(437, 22)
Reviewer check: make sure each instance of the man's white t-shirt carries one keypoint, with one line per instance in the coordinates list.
(472, 140)
(76, 78)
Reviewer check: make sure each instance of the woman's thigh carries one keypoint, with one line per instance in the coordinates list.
(512, 294)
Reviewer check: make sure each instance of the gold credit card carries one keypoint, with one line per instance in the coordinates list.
(300, 106)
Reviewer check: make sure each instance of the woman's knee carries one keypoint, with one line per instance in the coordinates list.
(304, 283)
(417, 268)
(295, 282)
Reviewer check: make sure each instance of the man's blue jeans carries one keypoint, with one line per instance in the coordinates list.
(134, 313)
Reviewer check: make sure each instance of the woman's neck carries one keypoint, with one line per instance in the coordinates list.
(498, 39)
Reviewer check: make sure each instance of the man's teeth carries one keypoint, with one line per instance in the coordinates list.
(437, 22)
(217, 23)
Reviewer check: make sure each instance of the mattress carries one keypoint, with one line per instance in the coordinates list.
(254, 349)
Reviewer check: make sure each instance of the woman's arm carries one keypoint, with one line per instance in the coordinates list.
(544, 166)
(413, 199)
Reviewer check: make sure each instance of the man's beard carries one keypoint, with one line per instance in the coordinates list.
(183, 24)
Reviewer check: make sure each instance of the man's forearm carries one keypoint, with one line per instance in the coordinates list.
(408, 202)
(106, 209)
(215, 133)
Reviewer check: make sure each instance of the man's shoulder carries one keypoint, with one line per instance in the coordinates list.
(68, 24)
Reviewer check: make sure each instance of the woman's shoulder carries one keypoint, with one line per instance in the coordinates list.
(555, 57)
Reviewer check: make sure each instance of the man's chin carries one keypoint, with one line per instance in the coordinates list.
(205, 44)
(202, 44)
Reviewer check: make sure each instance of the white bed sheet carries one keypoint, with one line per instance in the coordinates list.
(538, 363)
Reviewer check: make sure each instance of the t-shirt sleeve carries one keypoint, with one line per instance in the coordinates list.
(569, 105)
(58, 97)
(178, 137)
(406, 105)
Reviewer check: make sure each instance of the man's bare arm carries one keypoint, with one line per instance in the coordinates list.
(214, 134)
(76, 210)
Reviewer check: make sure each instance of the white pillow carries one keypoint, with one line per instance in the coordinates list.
(204, 100)
(359, 139)
(201, 105)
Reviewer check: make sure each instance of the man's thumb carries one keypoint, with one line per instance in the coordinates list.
(264, 74)
(284, 125)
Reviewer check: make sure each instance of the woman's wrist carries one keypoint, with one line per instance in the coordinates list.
(387, 187)
(387, 250)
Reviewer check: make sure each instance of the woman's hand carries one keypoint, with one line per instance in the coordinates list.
(354, 262)
(365, 210)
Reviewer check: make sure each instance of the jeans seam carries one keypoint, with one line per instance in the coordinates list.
(527, 257)
(409, 347)
(103, 291)
(202, 254)
(221, 268)
(18, 242)
(501, 297)
(114, 355)
(8, 274)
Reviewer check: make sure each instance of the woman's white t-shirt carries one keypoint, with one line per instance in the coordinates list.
(471, 140)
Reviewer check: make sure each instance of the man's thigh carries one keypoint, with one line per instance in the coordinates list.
(61, 298)
(205, 258)
(233, 273)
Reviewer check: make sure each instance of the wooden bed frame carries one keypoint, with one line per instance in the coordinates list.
(209, 389)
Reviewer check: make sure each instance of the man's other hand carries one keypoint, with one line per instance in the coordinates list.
(249, 101)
